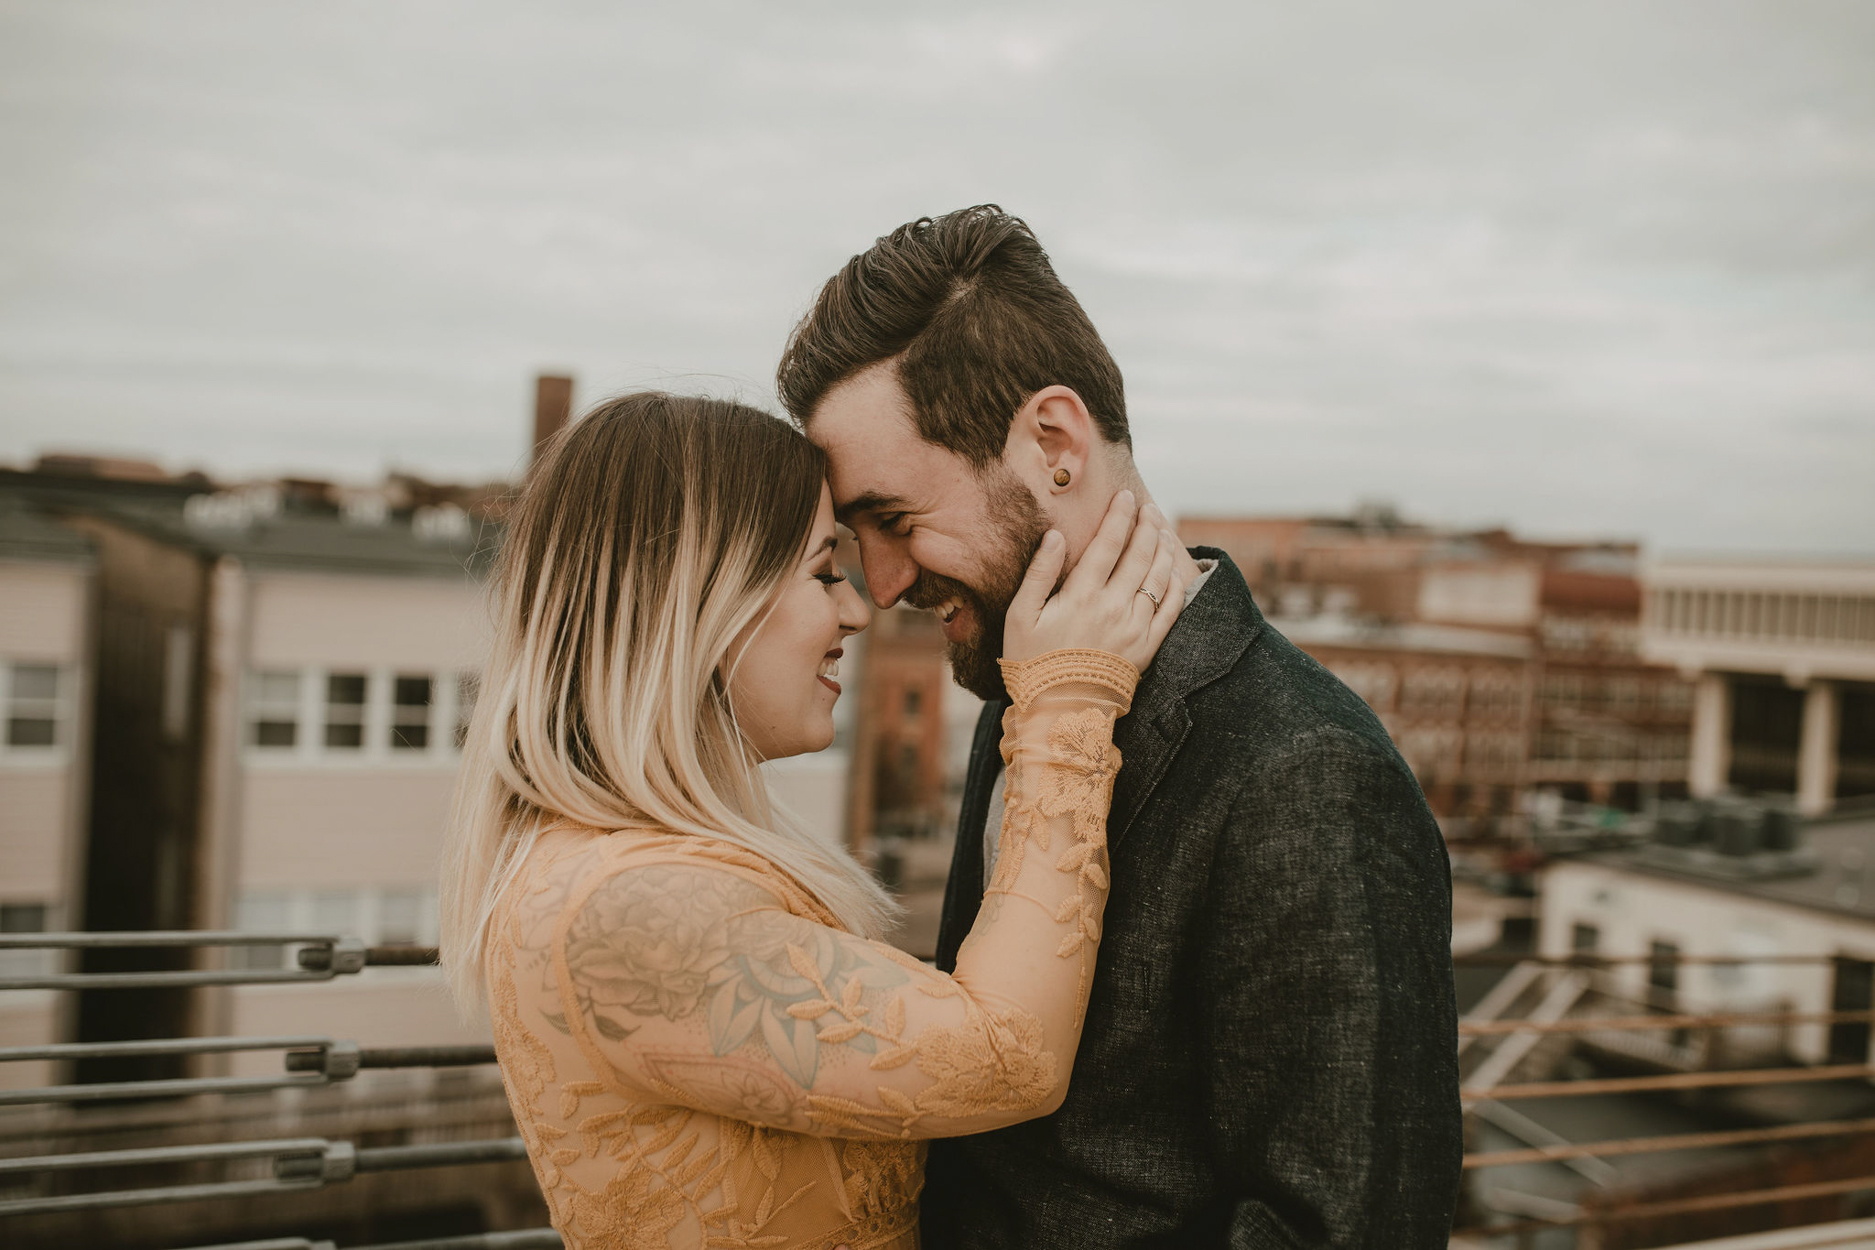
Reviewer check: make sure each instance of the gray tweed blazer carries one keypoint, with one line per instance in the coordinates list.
(1269, 1056)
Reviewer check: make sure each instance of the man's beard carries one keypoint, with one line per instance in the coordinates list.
(1017, 519)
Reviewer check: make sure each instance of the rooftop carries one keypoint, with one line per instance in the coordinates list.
(1339, 630)
(27, 534)
(261, 525)
(1841, 850)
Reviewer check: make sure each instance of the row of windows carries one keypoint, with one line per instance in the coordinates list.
(1577, 633)
(36, 700)
(1442, 753)
(1766, 615)
(1562, 745)
(1434, 690)
(329, 712)
(1616, 694)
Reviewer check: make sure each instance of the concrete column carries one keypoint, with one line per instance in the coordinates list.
(225, 626)
(1711, 746)
(1816, 750)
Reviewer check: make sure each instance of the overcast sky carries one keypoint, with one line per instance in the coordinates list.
(1585, 269)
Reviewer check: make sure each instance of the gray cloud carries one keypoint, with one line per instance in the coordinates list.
(1605, 269)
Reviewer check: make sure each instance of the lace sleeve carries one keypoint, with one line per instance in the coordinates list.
(691, 982)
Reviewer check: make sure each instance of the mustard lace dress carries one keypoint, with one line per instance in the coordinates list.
(698, 1055)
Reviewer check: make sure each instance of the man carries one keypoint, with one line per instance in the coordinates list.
(1268, 1057)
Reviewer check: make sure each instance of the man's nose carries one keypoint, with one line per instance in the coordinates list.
(889, 571)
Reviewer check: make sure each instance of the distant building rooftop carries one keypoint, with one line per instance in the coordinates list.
(258, 525)
(1843, 851)
(1331, 630)
(26, 534)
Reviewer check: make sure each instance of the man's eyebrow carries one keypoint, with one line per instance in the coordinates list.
(868, 501)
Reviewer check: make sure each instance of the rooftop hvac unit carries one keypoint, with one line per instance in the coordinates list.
(1736, 830)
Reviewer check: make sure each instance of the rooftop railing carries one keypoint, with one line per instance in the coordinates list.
(70, 1182)
(1570, 998)
(1540, 1001)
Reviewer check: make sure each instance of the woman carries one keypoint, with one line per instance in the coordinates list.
(702, 1038)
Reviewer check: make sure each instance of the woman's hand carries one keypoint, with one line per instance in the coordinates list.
(1121, 598)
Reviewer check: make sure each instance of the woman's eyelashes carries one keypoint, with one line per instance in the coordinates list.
(830, 579)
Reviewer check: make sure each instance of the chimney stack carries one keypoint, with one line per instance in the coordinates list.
(553, 404)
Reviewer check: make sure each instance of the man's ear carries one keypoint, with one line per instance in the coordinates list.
(1051, 441)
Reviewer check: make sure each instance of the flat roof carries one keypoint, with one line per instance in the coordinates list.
(1330, 630)
(1843, 883)
(28, 534)
(287, 539)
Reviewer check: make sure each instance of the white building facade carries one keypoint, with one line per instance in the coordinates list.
(1783, 657)
(45, 596)
(1805, 939)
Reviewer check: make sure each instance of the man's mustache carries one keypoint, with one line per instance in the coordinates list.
(931, 589)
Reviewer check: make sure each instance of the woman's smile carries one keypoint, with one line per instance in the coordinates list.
(830, 669)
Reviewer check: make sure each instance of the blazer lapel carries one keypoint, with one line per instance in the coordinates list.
(1213, 631)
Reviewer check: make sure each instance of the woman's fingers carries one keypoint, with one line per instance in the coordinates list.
(1159, 576)
(1136, 563)
(1039, 581)
(1166, 616)
(1095, 567)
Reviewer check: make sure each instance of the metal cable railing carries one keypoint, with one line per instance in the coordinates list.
(310, 1061)
(1534, 983)
(294, 1164)
(1555, 1009)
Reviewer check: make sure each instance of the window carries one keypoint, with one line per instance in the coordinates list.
(468, 685)
(1675, 696)
(345, 711)
(22, 917)
(26, 918)
(1854, 991)
(410, 713)
(914, 700)
(334, 912)
(1432, 690)
(263, 912)
(1663, 968)
(32, 705)
(1584, 941)
(273, 709)
(400, 917)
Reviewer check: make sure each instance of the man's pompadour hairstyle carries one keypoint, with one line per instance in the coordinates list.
(969, 306)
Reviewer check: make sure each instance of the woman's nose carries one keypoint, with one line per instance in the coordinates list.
(854, 615)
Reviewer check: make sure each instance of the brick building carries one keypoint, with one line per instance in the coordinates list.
(1380, 598)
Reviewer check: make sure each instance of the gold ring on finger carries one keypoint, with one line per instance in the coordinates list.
(1149, 595)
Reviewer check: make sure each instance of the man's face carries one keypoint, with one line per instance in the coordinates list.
(932, 530)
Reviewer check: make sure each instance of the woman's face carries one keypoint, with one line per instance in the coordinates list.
(782, 670)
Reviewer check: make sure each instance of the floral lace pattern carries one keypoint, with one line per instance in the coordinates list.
(697, 1055)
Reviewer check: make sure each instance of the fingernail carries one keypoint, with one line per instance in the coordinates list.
(1051, 540)
(1127, 495)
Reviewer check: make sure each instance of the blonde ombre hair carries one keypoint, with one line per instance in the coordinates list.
(646, 537)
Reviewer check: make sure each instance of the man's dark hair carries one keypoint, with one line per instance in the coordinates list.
(973, 312)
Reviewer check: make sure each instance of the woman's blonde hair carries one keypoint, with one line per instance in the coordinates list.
(647, 536)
